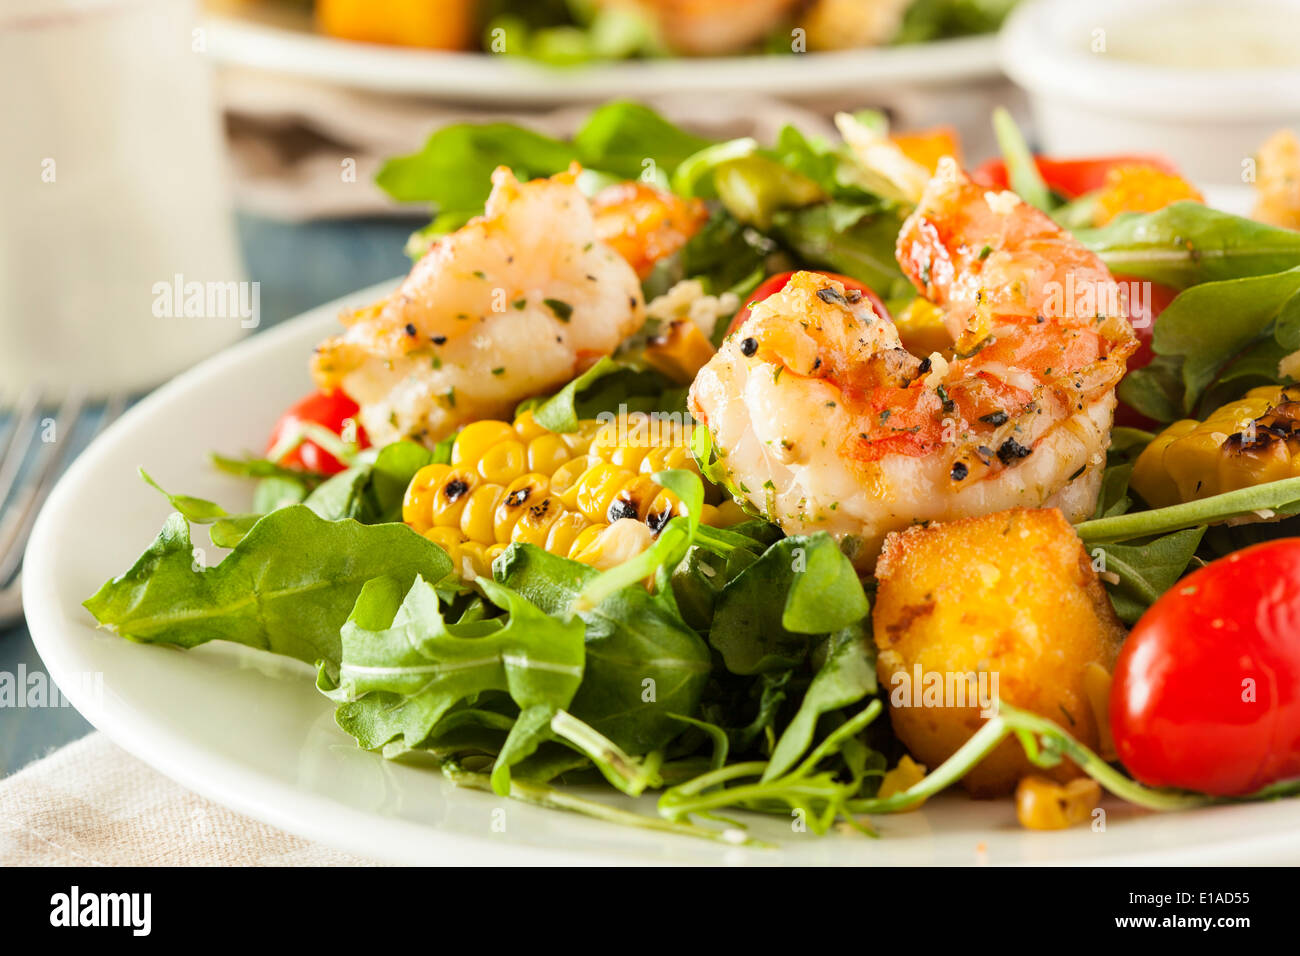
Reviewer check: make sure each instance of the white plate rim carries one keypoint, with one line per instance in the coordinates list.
(484, 78)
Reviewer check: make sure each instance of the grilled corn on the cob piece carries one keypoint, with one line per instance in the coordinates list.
(586, 495)
(1247, 442)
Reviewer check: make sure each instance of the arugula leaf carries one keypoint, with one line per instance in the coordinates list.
(643, 664)
(610, 386)
(855, 240)
(227, 529)
(1113, 498)
(454, 167)
(1188, 243)
(847, 676)
(1148, 570)
(1210, 324)
(1156, 390)
(287, 587)
(401, 649)
(371, 492)
(262, 468)
(620, 136)
(764, 616)
(826, 594)
(1022, 172)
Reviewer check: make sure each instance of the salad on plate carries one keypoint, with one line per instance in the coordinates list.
(806, 478)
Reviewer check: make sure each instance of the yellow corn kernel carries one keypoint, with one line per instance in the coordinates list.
(451, 496)
(478, 519)
(521, 494)
(504, 462)
(567, 475)
(1043, 804)
(476, 438)
(527, 429)
(667, 458)
(902, 777)
(613, 545)
(588, 495)
(547, 453)
(1253, 440)
(596, 489)
(564, 532)
(535, 523)
(417, 503)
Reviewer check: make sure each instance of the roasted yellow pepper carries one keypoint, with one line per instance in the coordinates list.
(1247, 442)
(448, 25)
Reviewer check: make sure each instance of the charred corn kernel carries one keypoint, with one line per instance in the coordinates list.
(534, 525)
(596, 489)
(1043, 804)
(417, 504)
(680, 351)
(920, 326)
(588, 495)
(1096, 684)
(521, 494)
(1140, 188)
(1247, 442)
(902, 777)
(451, 496)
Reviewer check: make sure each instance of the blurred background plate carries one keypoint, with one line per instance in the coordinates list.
(290, 46)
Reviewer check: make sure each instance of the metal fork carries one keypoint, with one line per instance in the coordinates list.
(35, 449)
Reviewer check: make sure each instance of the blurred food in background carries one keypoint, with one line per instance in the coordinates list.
(1277, 180)
(566, 32)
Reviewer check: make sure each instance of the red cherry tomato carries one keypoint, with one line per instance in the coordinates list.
(774, 284)
(330, 410)
(1069, 177)
(1206, 693)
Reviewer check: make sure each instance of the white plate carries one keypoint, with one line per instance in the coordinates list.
(484, 78)
(249, 730)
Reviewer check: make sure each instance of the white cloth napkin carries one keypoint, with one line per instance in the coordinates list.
(92, 804)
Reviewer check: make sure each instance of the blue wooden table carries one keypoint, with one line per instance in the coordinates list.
(299, 267)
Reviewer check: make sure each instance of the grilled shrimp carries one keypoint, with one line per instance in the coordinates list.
(644, 224)
(710, 27)
(823, 420)
(514, 304)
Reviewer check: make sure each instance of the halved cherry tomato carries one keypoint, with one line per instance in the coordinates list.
(331, 411)
(774, 284)
(1206, 693)
(1069, 177)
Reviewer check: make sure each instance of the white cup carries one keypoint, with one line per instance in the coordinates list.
(112, 197)
(1203, 82)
